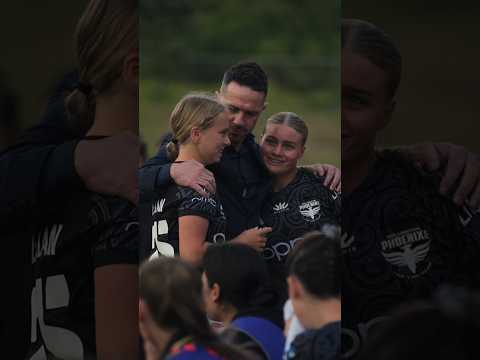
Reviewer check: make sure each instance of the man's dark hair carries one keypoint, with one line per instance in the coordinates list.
(241, 273)
(315, 261)
(248, 74)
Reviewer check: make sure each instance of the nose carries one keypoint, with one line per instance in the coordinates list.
(277, 150)
(227, 141)
(239, 119)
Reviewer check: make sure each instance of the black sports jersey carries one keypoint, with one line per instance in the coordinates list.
(400, 240)
(159, 219)
(302, 206)
(90, 231)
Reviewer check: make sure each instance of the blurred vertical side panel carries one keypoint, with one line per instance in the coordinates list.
(409, 125)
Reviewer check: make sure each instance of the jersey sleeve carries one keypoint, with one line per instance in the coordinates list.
(118, 238)
(195, 204)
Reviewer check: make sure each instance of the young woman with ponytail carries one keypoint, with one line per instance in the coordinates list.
(84, 289)
(182, 221)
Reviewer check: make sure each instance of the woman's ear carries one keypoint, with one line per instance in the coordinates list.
(130, 71)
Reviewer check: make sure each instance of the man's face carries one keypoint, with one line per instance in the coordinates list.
(245, 105)
(366, 106)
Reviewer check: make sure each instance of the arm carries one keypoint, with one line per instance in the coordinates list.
(460, 168)
(159, 172)
(192, 234)
(332, 174)
(116, 312)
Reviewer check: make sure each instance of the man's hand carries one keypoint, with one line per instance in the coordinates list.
(110, 165)
(332, 174)
(254, 237)
(194, 175)
(460, 166)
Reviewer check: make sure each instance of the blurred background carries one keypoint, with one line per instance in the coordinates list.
(438, 95)
(187, 45)
(37, 50)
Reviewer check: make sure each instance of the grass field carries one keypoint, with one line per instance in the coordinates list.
(318, 108)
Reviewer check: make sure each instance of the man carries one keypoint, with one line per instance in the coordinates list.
(241, 179)
(401, 239)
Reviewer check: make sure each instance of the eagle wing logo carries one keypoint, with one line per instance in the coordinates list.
(408, 257)
(310, 211)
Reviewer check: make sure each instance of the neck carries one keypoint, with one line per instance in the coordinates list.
(160, 338)
(322, 312)
(189, 152)
(354, 172)
(228, 314)
(281, 181)
(115, 114)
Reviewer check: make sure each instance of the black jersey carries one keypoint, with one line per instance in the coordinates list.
(90, 231)
(400, 240)
(302, 206)
(159, 220)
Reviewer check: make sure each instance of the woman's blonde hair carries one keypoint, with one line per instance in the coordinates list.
(291, 120)
(106, 33)
(194, 110)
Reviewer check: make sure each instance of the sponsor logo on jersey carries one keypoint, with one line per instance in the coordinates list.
(205, 200)
(45, 242)
(219, 238)
(157, 206)
(280, 207)
(407, 252)
(280, 250)
(310, 210)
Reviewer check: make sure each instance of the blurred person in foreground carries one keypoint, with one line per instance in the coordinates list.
(235, 292)
(314, 283)
(444, 327)
(172, 317)
(401, 238)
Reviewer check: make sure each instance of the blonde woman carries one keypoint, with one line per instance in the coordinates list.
(184, 221)
(84, 289)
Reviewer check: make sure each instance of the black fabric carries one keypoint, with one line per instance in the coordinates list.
(400, 240)
(318, 344)
(302, 206)
(35, 174)
(241, 177)
(68, 244)
(160, 219)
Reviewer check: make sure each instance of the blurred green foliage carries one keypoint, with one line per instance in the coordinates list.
(187, 45)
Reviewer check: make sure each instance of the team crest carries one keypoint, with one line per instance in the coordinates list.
(407, 252)
(310, 210)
